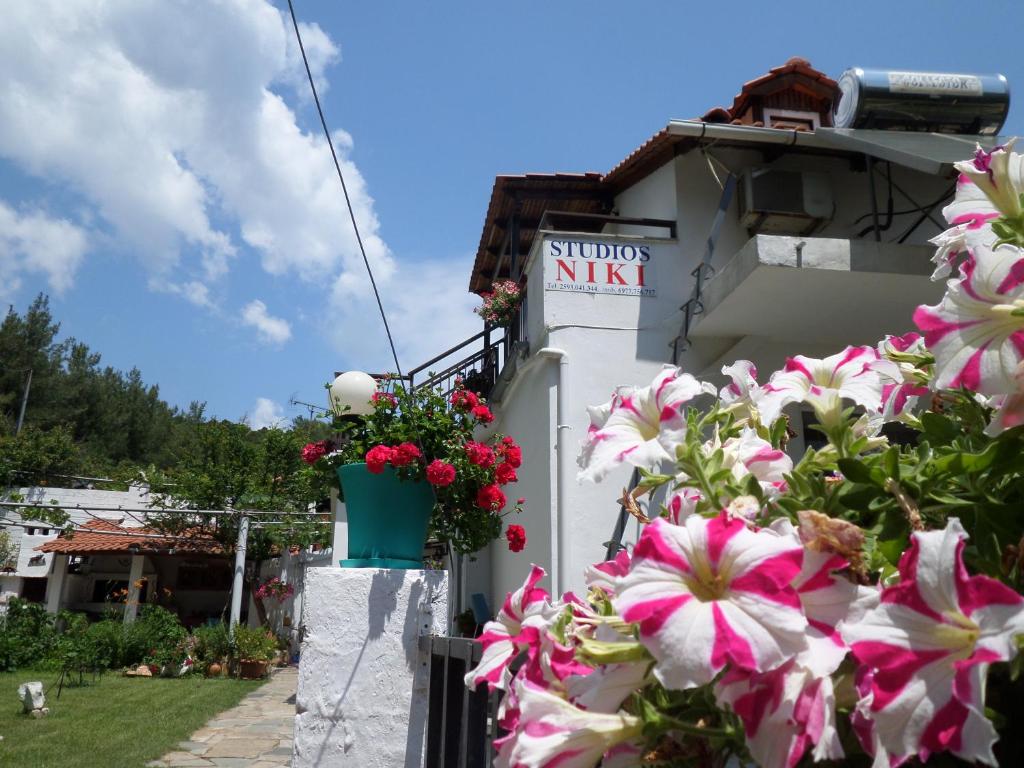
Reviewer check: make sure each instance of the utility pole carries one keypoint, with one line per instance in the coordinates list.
(236, 586)
(24, 402)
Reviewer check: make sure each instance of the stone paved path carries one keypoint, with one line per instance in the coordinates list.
(255, 734)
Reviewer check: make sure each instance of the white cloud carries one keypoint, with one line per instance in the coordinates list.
(428, 308)
(163, 115)
(273, 330)
(266, 413)
(169, 119)
(32, 241)
(193, 291)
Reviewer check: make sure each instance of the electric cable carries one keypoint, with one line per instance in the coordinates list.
(344, 188)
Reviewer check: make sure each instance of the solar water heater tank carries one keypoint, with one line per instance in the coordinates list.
(941, 102)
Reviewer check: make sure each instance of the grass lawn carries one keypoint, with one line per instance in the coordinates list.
(116, 722)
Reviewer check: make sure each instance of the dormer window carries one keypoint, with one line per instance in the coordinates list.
(791, 119)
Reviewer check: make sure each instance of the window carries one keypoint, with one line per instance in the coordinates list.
(33, 590)
(791, 119)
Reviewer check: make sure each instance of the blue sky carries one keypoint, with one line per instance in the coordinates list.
(163, 178)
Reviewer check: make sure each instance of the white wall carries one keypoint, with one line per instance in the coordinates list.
(527, 414)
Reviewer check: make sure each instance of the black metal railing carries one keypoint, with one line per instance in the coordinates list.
(461, 724)
(476, 362)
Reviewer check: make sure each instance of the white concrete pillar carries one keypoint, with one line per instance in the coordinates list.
(363, 678)
(238, 580)
(131, 606)
(55, 583)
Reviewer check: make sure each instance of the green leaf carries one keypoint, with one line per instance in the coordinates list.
(856, 471)
(891, 462)
(939, 429)
(894, 535)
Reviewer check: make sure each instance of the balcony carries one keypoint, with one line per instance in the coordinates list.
(816, 289)
(477, 362)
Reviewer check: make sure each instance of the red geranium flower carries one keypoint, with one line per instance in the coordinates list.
(511, 452)
(479, 454)
(463, 400)
(516, 536)
(405, 454)
(505, 473)
(377, 457)
(440, 473)
(482, 414)
(312, 452)
(490, 497)
(384, 397)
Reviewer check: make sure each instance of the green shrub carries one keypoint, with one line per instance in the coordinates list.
(154, 637)
(212, 643)
(73, 649)
(27, 635)
(107, 639)
(254, 644)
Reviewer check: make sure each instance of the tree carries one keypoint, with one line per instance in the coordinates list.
(225, 465)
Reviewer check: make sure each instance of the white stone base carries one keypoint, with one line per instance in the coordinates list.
(362, 692)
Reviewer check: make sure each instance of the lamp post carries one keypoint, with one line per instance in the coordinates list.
(351, 394)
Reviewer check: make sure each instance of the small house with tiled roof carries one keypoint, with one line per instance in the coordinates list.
(106, 563)
(794, 221)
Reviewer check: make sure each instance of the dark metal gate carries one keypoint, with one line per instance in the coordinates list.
(461, 723)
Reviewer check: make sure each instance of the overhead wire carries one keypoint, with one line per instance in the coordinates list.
(344, 189)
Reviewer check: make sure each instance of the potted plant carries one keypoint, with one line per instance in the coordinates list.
(500, 304)
(254, 648)
(212, 646)
(406, 464)
(275, 589)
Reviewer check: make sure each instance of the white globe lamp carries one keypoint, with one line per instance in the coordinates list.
(352, 393)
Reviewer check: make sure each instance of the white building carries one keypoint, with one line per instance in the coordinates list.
(774, 234)
(31, 568)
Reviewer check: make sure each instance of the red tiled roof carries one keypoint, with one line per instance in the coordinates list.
(104, 536)
(533, 194)
(795, 85)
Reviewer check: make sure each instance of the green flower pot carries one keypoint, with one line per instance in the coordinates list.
(387, 518)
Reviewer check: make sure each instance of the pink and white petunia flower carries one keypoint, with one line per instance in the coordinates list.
(1009, 413)
(998, 174)
(743, 386)
(605, 688)
(989, 186)
(902, 386)
(791, 709)
(681, 503)
(830, 601)
(784, 712)
(712, 592)
(750, 454)
(976, 332)
(929, 645)
(643, 426)
(824, 383)
(605, 575)
(524, 613)
(950, 246)
(553, 732)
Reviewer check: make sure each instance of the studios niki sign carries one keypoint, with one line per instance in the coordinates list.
(593, 266)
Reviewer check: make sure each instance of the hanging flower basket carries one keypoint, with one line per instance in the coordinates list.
(387, 517)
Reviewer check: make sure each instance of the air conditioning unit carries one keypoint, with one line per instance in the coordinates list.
(785, 202)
